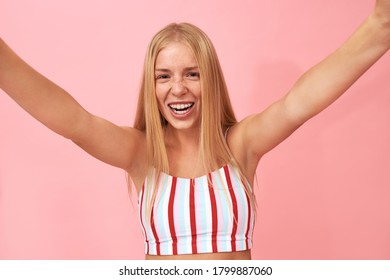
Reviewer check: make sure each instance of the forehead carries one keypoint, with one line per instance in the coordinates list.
(176, 54)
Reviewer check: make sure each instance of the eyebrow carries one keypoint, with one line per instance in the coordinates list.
(185, 69)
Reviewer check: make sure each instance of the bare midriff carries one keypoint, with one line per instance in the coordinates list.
(241, 255)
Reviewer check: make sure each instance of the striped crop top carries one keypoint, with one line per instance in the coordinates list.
(207, 214)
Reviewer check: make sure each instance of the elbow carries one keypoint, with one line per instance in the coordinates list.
(300, 109)
(296, 112)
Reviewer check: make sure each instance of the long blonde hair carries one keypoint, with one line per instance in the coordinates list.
(217, 113)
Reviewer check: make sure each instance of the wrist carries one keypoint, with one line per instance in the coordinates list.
(382, 18)
(381, 22)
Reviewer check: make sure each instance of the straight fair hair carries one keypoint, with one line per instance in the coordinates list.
(217, 113)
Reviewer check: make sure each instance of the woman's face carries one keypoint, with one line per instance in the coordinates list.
(178, 86)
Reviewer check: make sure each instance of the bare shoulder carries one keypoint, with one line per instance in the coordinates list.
(237, 140)
(137, 168)
(137, 140)
(120, 146)
(250, 139)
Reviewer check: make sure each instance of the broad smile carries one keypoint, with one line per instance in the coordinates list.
(181, 108)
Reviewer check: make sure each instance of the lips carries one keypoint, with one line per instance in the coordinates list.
(181, 108)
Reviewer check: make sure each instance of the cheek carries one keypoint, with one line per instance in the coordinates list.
(197, 92)
(160, 94)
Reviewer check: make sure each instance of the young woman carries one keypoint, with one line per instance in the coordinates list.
(192, 163)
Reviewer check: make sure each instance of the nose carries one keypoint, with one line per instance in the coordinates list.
(178, 87)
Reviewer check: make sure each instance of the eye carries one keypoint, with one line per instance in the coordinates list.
(193, 75)
(162, 77)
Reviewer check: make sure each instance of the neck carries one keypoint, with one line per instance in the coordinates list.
(182, 139)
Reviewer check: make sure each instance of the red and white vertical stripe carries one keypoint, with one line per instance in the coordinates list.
(211, 213)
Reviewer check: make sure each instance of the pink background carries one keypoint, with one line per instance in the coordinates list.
(323, 194)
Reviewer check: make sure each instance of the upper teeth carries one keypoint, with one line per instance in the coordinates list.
(180, 106)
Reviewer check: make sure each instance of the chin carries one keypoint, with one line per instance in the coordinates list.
(183, 125)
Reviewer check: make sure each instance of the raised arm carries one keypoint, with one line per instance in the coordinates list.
(60, 112)
(316, 89)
